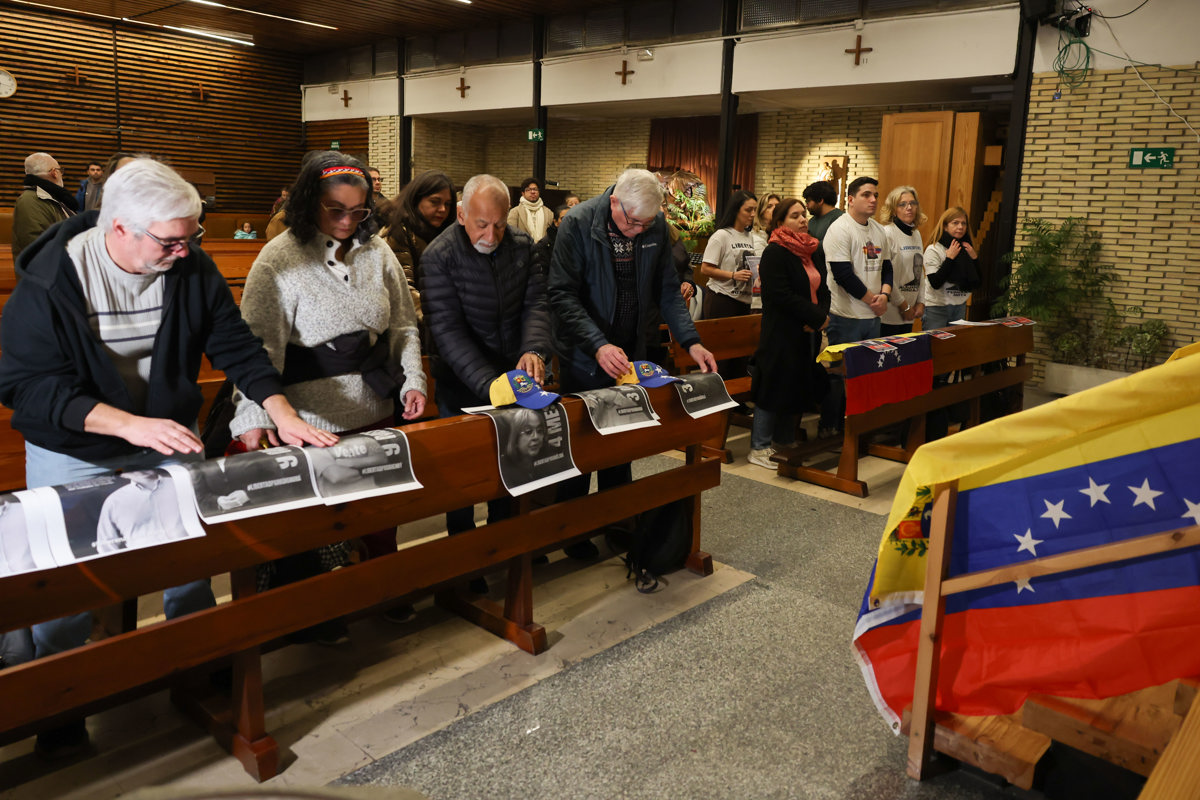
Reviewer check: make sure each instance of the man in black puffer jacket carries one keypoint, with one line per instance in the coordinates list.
(486, 310)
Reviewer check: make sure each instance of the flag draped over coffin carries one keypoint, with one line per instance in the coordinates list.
(1119, 461)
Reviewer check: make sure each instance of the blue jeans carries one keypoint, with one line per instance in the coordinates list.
(840, 331)
(942, 316)
(768, 427)
(49, 468)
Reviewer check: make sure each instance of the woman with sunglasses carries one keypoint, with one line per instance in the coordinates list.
(329, 301)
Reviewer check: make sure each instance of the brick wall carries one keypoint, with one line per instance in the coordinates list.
(455, 148)
(384, 137)
(792, 145)
(509, 154)
(1075, 164)
(586, 156)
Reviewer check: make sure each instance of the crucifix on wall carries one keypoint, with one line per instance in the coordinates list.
(625, 71)
(78, 76)
(200, 91)
(858, 49)
(462, 87)
(346, 98)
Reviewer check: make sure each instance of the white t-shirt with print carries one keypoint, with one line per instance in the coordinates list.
(864, 246)
(726, 249)
(908, 273)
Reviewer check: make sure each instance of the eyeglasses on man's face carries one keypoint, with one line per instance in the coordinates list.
(174, 244)
(355, 215)
(630, 221)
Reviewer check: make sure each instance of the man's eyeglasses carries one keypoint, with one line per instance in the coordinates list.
(630, 221)
(355, 215)
(174, 244)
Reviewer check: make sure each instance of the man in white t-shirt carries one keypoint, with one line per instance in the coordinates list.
(860, 283)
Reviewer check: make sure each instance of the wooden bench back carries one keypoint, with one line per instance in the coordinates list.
(726, 337)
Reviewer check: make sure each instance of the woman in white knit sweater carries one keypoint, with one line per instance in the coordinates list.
(330, 302)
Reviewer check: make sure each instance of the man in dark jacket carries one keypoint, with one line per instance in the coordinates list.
(612, 270)
(485, 309)
(100, 348)
(43, 203)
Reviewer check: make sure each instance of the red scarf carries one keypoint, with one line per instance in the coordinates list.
(801, 245)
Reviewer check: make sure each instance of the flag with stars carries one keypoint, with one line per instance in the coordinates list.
(875, 377)
(1116, 462)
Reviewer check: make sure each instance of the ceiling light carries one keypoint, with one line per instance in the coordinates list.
(224, 37)
(264, 14)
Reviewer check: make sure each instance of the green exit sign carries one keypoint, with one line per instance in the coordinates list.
(537, 135)
(335, 145)
(1152, 158)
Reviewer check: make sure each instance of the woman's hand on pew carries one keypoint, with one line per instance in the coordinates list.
(290, 429)
(703, 357)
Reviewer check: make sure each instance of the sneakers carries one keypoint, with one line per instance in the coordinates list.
(762, 458)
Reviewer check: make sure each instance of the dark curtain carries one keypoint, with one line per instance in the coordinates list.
(693, 143)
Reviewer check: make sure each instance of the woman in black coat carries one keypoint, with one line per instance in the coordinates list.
(795, 310)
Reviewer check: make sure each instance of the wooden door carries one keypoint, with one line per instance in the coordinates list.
(916, 151)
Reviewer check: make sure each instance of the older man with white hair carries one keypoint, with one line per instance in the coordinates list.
(485, 308)
(611, 271)
(43, 203)
(100, 348)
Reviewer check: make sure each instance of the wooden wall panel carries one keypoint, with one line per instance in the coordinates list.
(141, 92)
(352, 134)
(915, 150)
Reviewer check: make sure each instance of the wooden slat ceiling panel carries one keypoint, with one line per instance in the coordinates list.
(246, 130)
(357, 23)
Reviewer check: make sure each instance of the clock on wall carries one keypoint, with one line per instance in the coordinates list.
(8, 84)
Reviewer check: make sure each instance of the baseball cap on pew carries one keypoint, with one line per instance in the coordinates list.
(647, 373)
(518, 386)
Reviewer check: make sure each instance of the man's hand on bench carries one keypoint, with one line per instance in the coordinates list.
(703, 358)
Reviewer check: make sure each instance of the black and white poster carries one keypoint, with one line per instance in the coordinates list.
(112, 513)
(703, 393)
(619, 408)
(249, 484)
(534, 446)
(24, 546)
(362, 465)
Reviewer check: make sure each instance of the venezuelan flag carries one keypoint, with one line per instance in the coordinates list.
(1116, 462)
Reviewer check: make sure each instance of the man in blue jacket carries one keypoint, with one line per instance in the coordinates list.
(100, 348)
(611, 271)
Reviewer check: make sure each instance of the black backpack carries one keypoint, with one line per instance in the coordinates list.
(658, 545)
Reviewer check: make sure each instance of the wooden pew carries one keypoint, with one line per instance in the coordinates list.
(967, 352)
(456, 461)
(727, 337)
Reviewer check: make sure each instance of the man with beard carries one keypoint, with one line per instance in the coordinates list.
(43, 203)
(100, 348)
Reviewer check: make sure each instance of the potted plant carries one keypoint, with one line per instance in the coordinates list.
(691, 215)
(1059, 281)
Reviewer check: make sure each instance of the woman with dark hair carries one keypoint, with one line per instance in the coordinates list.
(795, 299)
(531, 215)
(329, 302)
(728, 291)
(423, 209)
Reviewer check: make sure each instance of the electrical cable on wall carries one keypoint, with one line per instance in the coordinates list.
(1118, 16)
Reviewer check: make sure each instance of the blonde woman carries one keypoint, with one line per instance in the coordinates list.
(900, 215)
(762, 221)
(951, 270)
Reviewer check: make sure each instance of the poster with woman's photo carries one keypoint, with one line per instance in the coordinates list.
(619, 408)
(703, 393)
(24, 546)
(112, 513)
(362, 465)
(534, 445)
(250, 484)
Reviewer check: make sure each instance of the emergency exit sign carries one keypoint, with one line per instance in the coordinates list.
(1152, 158)
(537, 135)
